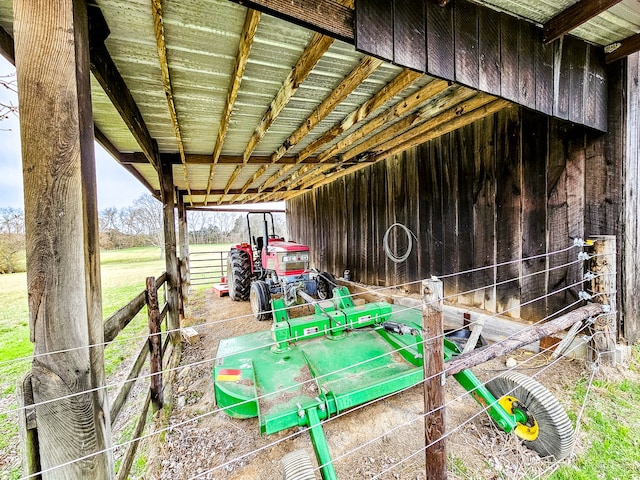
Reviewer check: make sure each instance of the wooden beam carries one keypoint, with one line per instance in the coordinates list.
(249, 182)
(622, 49)
(446, 123)
(328, 17)
(138, 158)
(158, 23)
(279, 173)
(415, 119)
(519, 339)
(170, 254)
(421, 135)
(574, 16)
(315, 49)
(52, 64)
(109, 78)
(390, 115)
(393, 88)
(251, 21)
(232, 179)
(354, 79)
(6, 46)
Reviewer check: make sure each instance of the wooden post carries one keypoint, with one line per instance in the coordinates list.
(155, 343)
(630, 235)
(432, 332)
(61, 242)
(171, 258)
(603, 288)
(183, 240)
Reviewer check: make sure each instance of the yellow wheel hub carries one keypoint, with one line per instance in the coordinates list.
(525, 432)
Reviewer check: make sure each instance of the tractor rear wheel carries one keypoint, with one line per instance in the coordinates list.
(326, 282)
(548, 430)
(260, 299)
(238, 274)
(297, 466)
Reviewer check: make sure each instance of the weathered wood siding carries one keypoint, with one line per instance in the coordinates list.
(507, 187)
(489, 51)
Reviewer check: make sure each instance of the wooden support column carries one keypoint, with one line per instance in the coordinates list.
(155, 344)
(603, 288)
(171, 257)
(631, 238)
(183, 240)
(65, 311)
(432, 332)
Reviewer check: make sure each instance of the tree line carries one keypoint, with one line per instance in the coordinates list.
(137, 225)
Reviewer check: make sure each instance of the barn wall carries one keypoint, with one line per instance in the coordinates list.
(507, 187)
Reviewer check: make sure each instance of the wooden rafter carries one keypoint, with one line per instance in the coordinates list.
(446, 127)
(6, 46)
(390, 115)
(249, 182)
(329, 17)
(251, 21)
(394, 87)
(316, 48)
(366, 67)
(574, 16)
(114, 86)
(156, 8)
(622, 49)
(394, 138)
(138, 158)
(279, 173)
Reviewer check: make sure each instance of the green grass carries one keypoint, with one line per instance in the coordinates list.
(123, 274)
(610, 426)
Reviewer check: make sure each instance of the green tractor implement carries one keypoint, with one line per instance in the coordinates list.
(306, 370)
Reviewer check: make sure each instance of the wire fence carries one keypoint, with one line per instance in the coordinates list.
(210, 360)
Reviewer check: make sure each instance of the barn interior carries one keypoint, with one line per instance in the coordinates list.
(495, 131)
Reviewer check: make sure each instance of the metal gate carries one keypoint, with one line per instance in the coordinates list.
(207, 268)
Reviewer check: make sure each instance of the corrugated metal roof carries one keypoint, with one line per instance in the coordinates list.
(202, 39)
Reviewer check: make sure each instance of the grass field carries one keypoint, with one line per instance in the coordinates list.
(123, 277)
(609, 425)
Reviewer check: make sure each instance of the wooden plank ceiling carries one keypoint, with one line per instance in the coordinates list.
(250, 107)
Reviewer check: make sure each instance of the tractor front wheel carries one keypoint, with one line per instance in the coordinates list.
(238, 274)
(326, 282)
(260, 299)
(547, 429)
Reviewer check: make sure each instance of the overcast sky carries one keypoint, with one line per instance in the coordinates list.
(116, 187)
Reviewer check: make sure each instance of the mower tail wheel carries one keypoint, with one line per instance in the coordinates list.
(238, 274)
(326, 282)
(297, 466)
(548, 430)
(260, 299)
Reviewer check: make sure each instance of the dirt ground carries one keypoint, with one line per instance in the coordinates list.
(382, 440)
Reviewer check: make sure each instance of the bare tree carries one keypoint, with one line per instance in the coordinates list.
(146, 218)
(8, 108)
(12, 221)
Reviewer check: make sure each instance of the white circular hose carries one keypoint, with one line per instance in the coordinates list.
(385, 243)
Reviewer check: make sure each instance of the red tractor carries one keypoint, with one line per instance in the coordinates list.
(269, 265)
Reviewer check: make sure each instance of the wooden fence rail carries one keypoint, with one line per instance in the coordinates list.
(113, 326)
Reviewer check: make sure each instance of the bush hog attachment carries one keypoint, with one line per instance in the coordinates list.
(268, 265)
(308, 369)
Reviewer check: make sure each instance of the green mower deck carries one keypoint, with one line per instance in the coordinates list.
(308, 369)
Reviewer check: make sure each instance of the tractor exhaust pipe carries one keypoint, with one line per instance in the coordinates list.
(265, 234)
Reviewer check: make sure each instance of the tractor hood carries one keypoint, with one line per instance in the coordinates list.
(278, 246)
